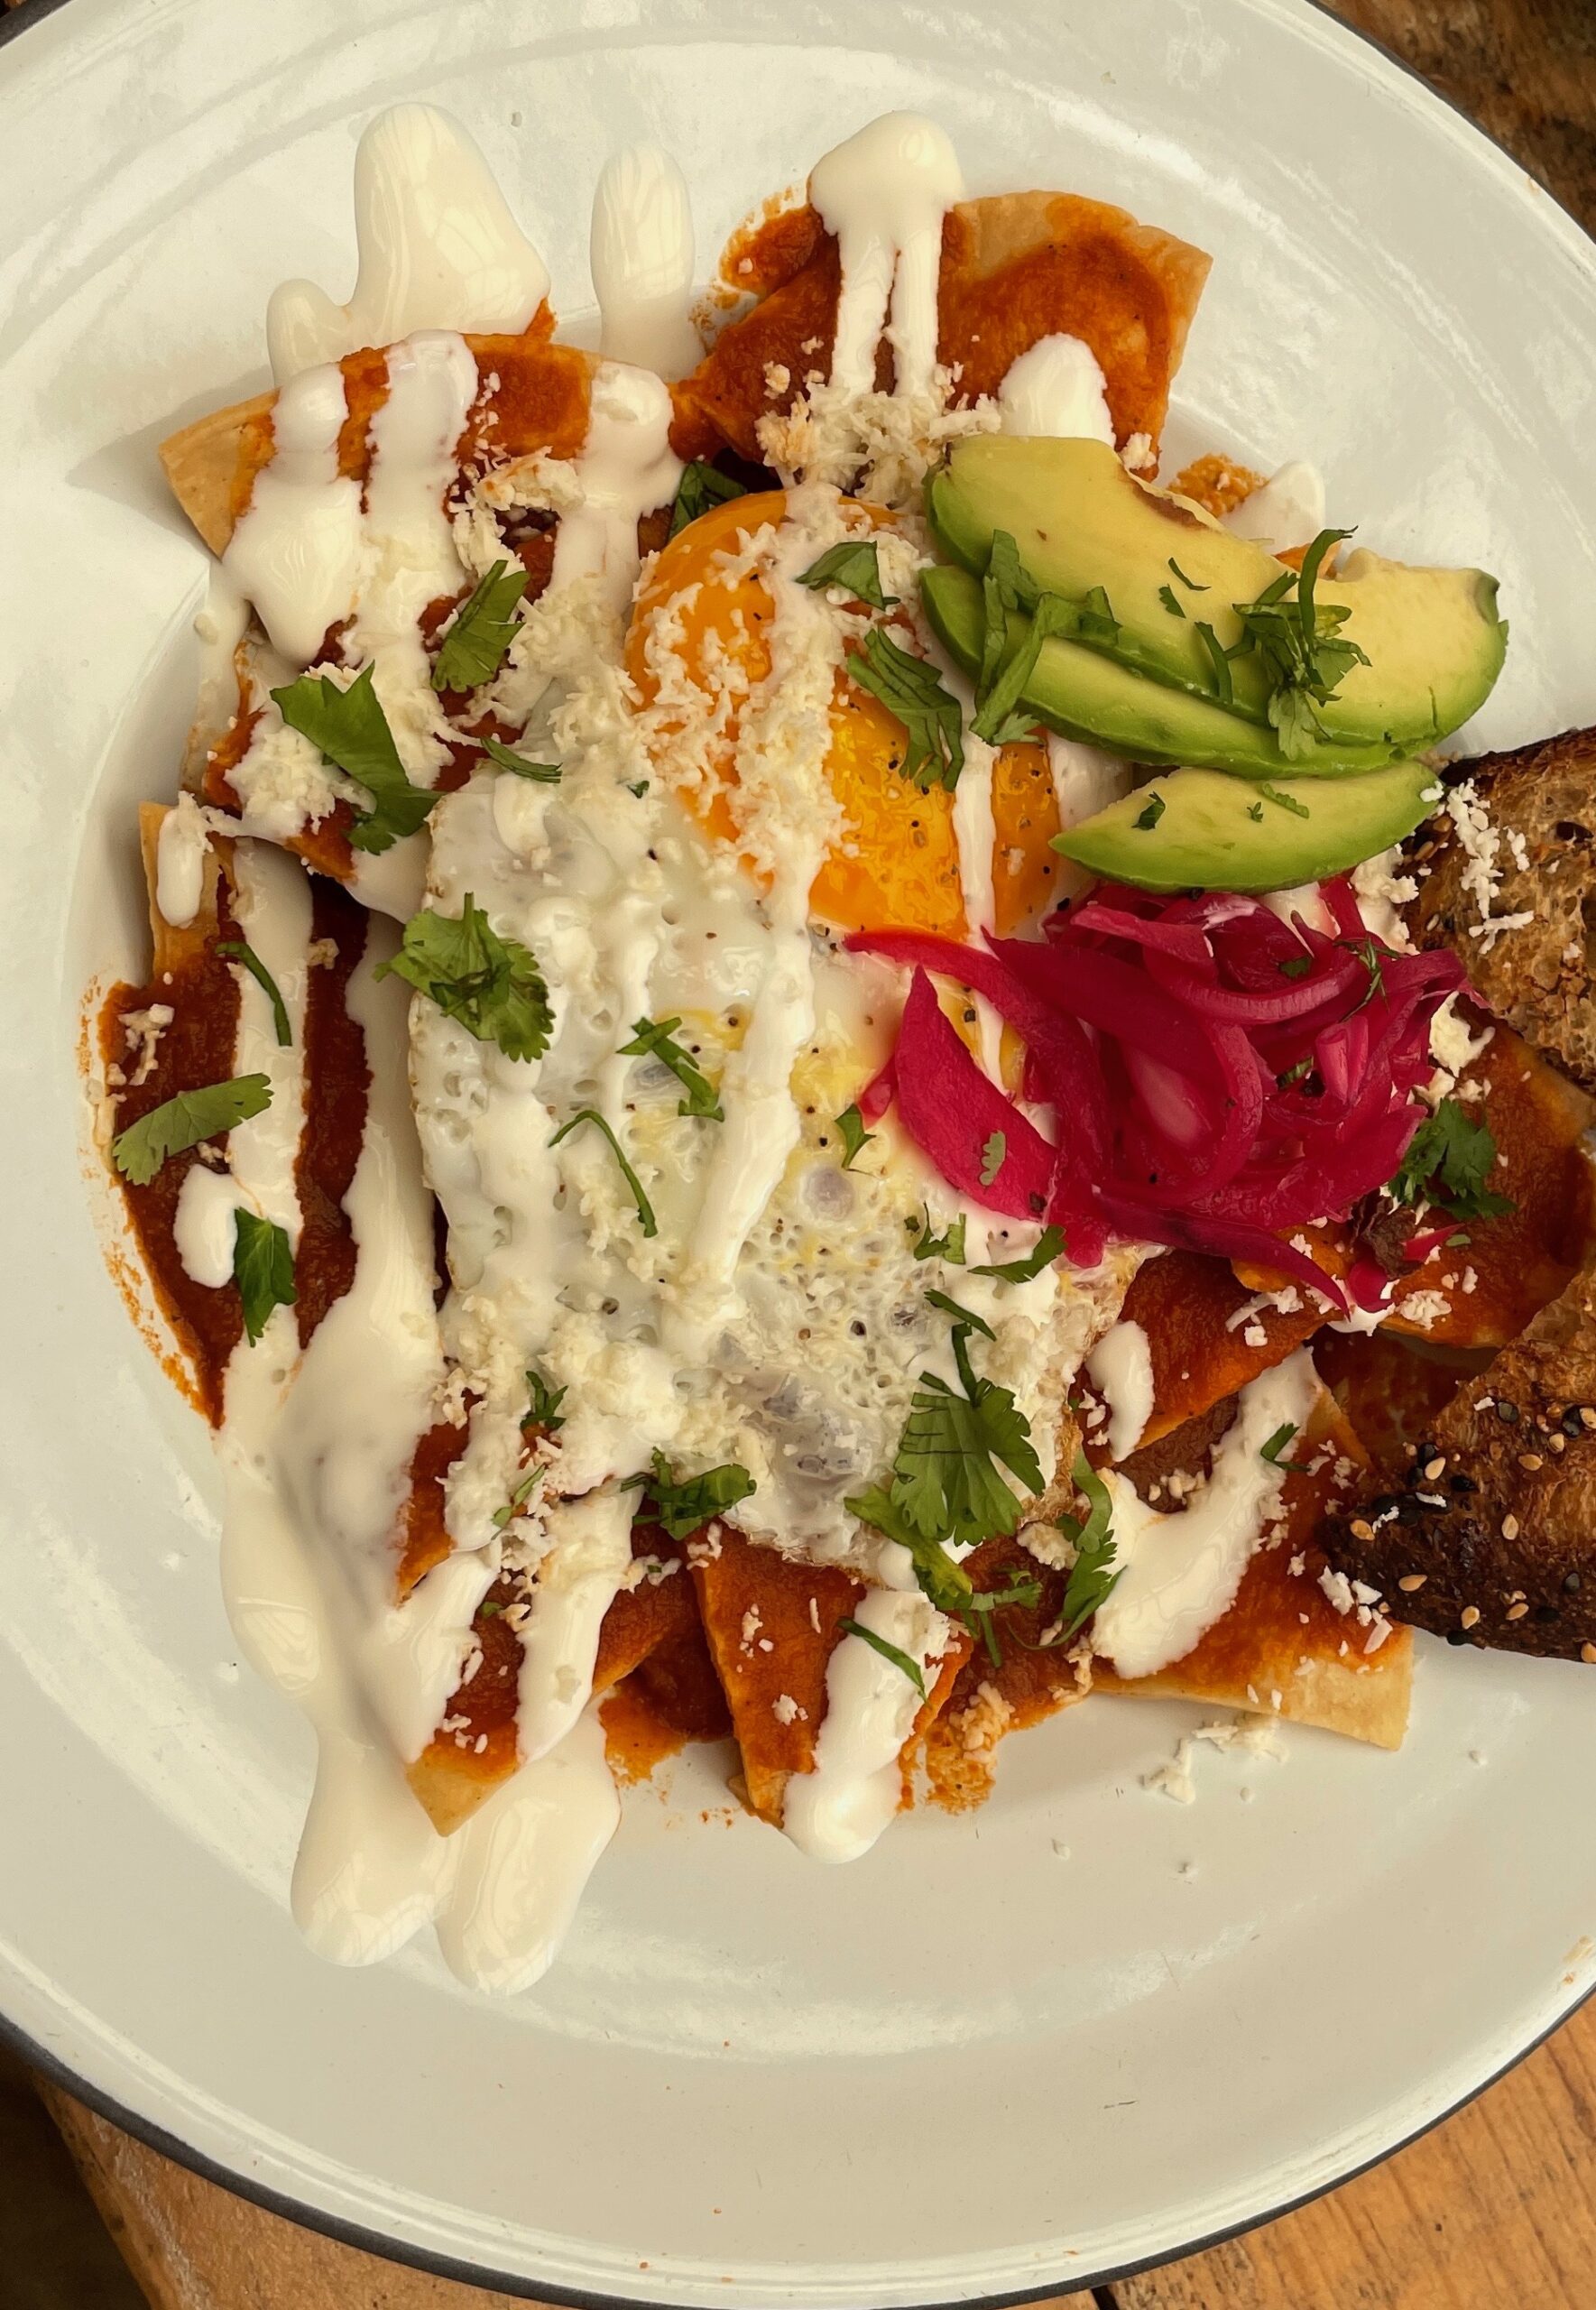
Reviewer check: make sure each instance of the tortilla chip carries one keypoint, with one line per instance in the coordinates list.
(534, 396)
(1015, 268)
(772, 1627)
(1283, 1648)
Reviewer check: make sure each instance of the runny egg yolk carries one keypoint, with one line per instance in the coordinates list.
(896, 865)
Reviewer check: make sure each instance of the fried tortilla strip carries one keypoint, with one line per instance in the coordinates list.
(1206, 1334)
(1283, 1636)
(534, 397)
(461, 1767)
(772, 1627)
(1491, 1540)
(1015, 268)
(1537, 975)
(1029, 1679)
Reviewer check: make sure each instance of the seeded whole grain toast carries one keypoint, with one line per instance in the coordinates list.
(1492, 1538)
(1539, 807)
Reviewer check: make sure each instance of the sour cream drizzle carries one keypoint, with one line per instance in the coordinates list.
(837, 1811)
(1058, 389)
(1181, 1572)
(1121, 1366)
(439, 249)
(884, 193)
(612, 884)
(641, 257)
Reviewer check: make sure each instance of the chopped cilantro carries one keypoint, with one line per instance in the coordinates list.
(544, 1402)
(654, 1038)
(680, 1507)
(491, 986)
(1048, 1245)
(888, 1650)
(1218, 660)
(949, 1246)
(701, 487)
(1448, 1161)
(911, 690)
(1093, 1573)
(993, 1157)
(1167, 596)
(1297, 647)
(519, 1497)
(482, 631)
(1190, 584)
(645, 1209)
(961, 1315)
(237, 950)
(1145, 820)
(850, 1124)
(263, 1269)
(546, 774)
(140, 1151)
(855, 564)
(352, 731)
(1285, 802)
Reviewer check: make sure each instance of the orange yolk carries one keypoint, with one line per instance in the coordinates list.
(898, 864)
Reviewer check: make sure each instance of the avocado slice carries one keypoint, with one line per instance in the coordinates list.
(1197, 829)
(1433, 637)
(1083, 694)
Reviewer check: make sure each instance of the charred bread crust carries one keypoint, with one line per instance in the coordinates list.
(1492, 1539)
(1538, 976)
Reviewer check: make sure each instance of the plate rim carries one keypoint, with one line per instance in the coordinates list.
(1318, 20)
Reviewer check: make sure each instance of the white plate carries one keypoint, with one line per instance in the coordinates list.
(967, 2067)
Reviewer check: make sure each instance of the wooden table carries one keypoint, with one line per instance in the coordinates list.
(1495, 2208)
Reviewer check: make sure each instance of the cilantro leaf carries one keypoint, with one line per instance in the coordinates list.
(1255, 810)
(546, 774)
(701, 487)
(263, 1269)
(653, 1039)
(1297, 647)
(237, 951)
(482, 628)
(850, 1124)
(140, 1151)
(911, 690)
(679, 1508)
(1277, 1444)
(944, 1476)
(1170, 600)
(1284, 801)
(1449, 1159)
(855, 564)
(352, 731)
(1091, 1578)
(518, 1498)
(1190, 584)
(645, 1209)
(1145, 820)
(1007, 586)
(888, 1650)
(999, 718)
(1224, 687)
(966, 1316)
(949, 1246)
(491, 986)
(543, 1408)
(993, 1155)
(941, 1577)
(1048, 1245)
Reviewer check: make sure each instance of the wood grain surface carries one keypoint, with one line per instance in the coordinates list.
(1494, 2211)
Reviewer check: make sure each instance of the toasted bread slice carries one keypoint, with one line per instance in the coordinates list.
(1539, 975)
(1015, 268)
(1491, 1540)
